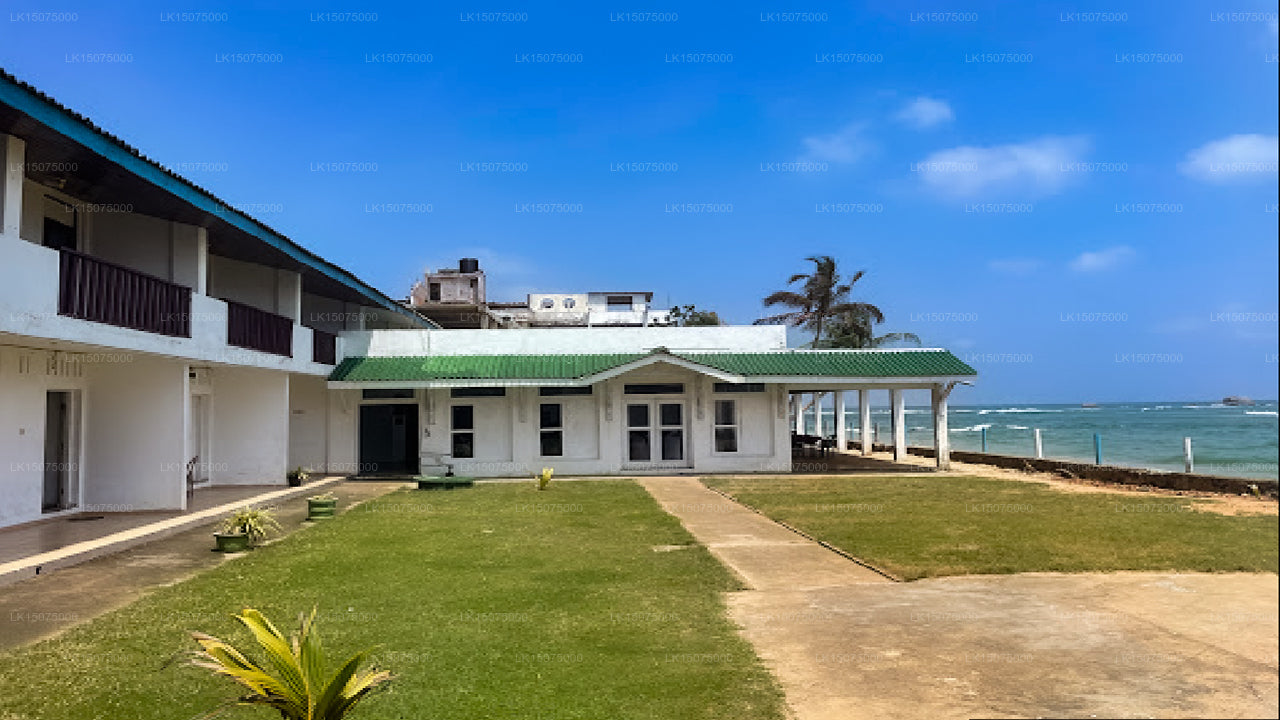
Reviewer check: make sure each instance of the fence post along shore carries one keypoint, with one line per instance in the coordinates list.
(1188, 461)
(1097, 448)
(1039, 445)
(984, 439)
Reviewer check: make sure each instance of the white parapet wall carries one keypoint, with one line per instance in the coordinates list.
(533, 341)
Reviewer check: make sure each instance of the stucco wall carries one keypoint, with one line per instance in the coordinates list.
(25, 377)
(135, 435)
(250, 426)
(308, 422)
(563, 340)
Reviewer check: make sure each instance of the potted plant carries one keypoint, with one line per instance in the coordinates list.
(245, 528)
(297, 476)
(322, 506)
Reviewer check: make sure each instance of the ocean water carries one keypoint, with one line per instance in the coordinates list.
(1225, 440)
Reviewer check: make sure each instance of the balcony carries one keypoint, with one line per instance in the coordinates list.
(254, 329)
(93, 289)
(324, 347)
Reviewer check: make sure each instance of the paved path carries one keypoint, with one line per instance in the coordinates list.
(845, 644)
(765, 555)
(47, 604)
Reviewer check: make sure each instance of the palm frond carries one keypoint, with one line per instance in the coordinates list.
(298, 689)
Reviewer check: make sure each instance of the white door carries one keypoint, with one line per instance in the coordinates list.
(655, 435)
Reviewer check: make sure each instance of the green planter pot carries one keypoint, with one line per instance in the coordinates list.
(231, 543)
(444, 483)
(321, 509)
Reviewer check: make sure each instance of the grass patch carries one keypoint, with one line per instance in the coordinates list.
(928, 527)
(496, 602)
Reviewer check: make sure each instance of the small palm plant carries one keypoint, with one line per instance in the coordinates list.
(256, 523)
(294, 683)
(544, 478)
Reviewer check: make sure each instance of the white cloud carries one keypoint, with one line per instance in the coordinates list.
(1102, 260)
(844, 146)
(925, 112)
(1015, 266)
(1038, 167)
(1236, 158)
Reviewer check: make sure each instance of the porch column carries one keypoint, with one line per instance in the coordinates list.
(817, 414)
(842, 431)
(941, 440)
(13, 153)
(797, 401)
(864, 417)
(899, 425)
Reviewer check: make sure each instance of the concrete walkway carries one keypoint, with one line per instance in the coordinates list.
(764, 555)
(46, 545)
(845, 644)
(47, 604)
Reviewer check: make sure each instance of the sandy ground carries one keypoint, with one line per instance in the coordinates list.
(848, 644)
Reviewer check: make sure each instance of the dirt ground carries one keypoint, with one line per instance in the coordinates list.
(846, 644)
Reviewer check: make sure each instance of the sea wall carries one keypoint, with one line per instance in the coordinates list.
(1106, 473)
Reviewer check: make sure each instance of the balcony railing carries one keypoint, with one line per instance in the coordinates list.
(324, 347)
(91, 288)
(249, 327)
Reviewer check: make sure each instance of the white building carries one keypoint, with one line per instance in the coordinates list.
(589, 309)
(152, 339)
(144, 324)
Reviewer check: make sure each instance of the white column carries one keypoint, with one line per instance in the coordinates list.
(202, 261)
(899, 425)
(797, 401)
(842, 430)
(864, 419)
(13, 153)
(941, 440)
(817, 414)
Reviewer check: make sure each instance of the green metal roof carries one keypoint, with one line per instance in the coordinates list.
(826, 363)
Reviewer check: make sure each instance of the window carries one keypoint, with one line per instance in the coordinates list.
(433, 292)
(548, 303)
(654, 389)
(462, 426)
(470, 392)
(726, 426)
(618, 303)
(570, 302)
(551, 429)
(739, 387)
(558, 390)
(387, 394)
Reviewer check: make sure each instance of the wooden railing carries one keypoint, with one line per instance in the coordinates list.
(91, 288)
(249, 327)
(324, 347)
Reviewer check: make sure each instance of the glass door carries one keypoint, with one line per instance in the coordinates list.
(656, 433)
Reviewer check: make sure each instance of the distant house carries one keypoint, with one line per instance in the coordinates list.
(456, 299)
(152, 338)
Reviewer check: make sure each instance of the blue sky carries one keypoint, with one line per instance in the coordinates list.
(1082, 205)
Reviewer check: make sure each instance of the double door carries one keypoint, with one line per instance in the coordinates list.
(656, 435)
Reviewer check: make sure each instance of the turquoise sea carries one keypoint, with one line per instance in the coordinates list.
(1225, 440)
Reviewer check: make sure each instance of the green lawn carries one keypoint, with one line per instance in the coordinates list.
(493, 602)
(932, 526)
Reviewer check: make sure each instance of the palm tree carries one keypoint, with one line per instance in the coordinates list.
(852, 330)
(821, 298)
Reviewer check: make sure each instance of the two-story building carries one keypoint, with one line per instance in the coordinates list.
(148, 331)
